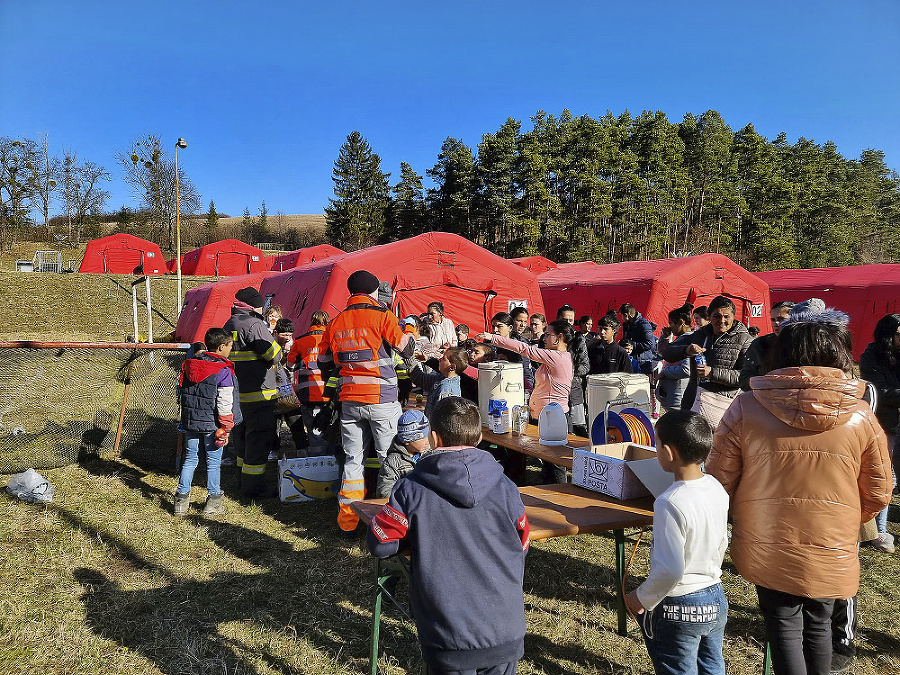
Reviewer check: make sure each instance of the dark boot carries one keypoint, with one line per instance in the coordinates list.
(214, 506)
(182, 504)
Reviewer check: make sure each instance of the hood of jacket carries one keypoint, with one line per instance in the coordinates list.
(203, 365)
(463, 476)
(809, 398)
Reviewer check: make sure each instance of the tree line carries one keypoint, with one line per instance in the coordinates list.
(621, 188)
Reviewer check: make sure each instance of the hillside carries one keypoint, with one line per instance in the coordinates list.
(83, 307)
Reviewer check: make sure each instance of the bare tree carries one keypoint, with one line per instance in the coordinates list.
(46, 174)
(82, 190)
(150, 172)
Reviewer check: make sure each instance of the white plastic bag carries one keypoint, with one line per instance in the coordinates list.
(30, 486)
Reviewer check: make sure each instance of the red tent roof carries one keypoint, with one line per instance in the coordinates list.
(865, 292)
(536, 264)
(226, 258)
(655, 287)
(209, 306)
(473, 283)
(303, 256)
(121, 254)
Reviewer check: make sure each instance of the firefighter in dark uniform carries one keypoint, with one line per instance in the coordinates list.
(255, 350)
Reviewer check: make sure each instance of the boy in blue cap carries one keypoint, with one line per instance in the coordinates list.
(409, 443)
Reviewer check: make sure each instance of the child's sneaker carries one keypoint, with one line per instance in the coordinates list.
(215, 506)
(884, 542)
(182, 504)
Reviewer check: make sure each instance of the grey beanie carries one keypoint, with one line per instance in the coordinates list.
(815, 311)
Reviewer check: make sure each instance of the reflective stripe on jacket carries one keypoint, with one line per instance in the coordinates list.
(360, 341)
(310, 380)
(254, 352)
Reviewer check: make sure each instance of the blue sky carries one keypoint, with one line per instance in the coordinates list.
(265, 93)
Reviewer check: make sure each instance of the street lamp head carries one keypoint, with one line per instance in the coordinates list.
(181, 143)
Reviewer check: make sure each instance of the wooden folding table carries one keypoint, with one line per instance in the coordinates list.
(558, 510)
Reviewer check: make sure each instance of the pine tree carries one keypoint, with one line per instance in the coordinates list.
(451, 201)
(212, 218)
(355, 219)
(407, 213)
(247, 223)
(259, 231)
(494, 172)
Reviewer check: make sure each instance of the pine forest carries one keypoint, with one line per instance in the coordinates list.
(630, 188)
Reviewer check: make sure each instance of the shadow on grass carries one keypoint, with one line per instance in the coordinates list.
(315, 589)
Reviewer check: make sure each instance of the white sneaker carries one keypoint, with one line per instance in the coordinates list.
(884, 542)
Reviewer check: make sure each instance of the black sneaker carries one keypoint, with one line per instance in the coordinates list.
(841, 663)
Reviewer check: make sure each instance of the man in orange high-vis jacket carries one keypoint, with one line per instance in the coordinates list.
(310, 379)
(361, 341)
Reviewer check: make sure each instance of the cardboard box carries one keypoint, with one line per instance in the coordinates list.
(620, 470)
(306, 479)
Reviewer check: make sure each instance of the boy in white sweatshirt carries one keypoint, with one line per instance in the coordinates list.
(681, 606)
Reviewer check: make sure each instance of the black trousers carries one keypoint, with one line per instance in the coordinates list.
(254, 439)
(843, 627)
(799, 632)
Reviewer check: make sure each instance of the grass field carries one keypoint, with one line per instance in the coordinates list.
(105, 580)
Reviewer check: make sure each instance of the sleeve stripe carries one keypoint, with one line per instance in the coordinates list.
(390, 524)
(524, 531)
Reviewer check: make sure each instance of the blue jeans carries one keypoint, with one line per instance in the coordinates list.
(684, 633)
(881, 518)
(192, 442)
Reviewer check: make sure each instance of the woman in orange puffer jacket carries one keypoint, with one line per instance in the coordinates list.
(805, 463)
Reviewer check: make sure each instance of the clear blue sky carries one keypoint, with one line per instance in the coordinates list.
(266, 92)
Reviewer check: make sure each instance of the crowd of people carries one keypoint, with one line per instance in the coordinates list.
(774, 432)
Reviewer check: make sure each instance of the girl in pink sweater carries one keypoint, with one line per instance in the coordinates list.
(553, 380)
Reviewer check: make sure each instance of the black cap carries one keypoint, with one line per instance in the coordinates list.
(250, 296)
(362, 281)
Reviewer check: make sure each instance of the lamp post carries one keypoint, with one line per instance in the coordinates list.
(181, 143)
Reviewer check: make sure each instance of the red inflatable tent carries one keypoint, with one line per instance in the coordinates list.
(226, 258)
(865, 292)
(303, 256)
(473, 283)
(655, 287)
(121, 254)
(209, 306)
(536, 264)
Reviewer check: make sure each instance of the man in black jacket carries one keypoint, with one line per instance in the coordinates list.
(639, 331)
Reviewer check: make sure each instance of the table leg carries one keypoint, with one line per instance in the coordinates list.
(620, 579)
(376, 618)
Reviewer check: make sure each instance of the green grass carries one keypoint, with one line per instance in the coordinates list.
(105, 580)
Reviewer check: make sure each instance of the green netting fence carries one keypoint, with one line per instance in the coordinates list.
(60, 401)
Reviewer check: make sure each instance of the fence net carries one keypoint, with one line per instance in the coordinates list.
(61, 401)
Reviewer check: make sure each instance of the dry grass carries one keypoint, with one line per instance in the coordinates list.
(84, 307)
(105, 581)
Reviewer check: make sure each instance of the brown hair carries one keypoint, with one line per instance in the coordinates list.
(458, 358)
(319, 318)
(457, 421)
(812, 344)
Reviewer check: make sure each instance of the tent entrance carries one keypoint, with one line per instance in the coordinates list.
(230, 264)
(460, 304)
(122, 260)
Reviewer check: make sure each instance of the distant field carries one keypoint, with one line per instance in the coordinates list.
(314, 221)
